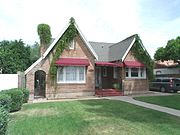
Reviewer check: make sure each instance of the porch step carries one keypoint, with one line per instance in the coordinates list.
(108, 92)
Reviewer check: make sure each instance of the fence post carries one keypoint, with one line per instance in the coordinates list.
(21, 80)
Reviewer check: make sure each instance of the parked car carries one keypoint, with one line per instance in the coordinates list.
(165, 84)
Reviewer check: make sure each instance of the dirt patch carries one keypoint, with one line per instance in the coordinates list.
(38, 112)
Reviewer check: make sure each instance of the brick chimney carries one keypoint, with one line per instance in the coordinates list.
(42, 49)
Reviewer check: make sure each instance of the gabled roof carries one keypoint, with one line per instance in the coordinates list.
(102, 50)
(56, 40)
(119, 50)
(113, 51)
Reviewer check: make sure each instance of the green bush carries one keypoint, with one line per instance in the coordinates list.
(116, 86)
(16, 98)
(5, 101)
(4, 116)
(25, 95)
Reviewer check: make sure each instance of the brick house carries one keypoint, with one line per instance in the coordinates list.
(85, 67)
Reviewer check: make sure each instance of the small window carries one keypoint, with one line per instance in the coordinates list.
(134, 72)
(72, 44)
(127, 72)
(142, 72)
(104, 71)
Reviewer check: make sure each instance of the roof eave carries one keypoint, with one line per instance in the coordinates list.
(129, 48)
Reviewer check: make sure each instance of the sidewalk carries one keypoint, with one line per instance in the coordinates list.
(44, 100)
(146, 105)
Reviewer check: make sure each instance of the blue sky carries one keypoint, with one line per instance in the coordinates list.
(156, 21)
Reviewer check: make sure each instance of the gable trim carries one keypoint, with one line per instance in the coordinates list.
(54, 43)
(33, 65)
(125, 54)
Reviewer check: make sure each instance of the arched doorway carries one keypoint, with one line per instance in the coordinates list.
(39, 84)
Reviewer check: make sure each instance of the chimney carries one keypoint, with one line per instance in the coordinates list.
(42, 49)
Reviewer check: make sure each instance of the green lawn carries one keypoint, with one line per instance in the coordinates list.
(172, 101)
(91, 117)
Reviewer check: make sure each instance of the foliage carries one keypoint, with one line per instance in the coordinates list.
(5, 101)
(25, 95)
(14, 56)
(16, 98)
(170, 52)
(116, 86)
(44, 33)
(4, 116)
(65, 39)
(91, 117)
(142, 55)
(35, 52)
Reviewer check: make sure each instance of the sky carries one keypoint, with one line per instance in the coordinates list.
(155, 21)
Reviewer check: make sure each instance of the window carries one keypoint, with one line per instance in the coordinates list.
(115, 72)
(135, 73)
(127, 72)
(72, 44)
(104, 71)
(71, 74)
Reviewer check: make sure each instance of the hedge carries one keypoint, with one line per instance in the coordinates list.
(5, 101)
(4, 118)
(16, 98)
(25, 95)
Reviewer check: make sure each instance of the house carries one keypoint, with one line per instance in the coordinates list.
(85, 67)
(167, 69)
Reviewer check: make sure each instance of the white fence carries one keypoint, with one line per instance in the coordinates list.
(8, 81)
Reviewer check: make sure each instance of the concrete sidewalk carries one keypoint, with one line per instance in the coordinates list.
(146, 105)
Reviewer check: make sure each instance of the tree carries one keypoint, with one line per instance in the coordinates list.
(44, 33)
(170, 52)
(14, 56)
(35, 54)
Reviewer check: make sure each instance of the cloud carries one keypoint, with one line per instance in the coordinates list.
(99, 20)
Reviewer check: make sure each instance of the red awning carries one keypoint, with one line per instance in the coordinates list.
(72, 62)
(133, 64)
(109, 64)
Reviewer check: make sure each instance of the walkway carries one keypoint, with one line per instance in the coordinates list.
(146, 105)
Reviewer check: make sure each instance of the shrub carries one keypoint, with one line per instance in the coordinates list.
(25, 95)
(16, 99)
(116, 86)
(4, 116)
(5, 101)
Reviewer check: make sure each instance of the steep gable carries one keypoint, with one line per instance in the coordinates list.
(119, 50)
(50, 48)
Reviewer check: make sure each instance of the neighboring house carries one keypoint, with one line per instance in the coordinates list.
(167, 69)
(85, 67)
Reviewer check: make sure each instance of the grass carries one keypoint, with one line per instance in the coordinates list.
(172, 101)
(91, 117)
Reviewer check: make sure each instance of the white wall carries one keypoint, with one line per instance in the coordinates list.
(162, 71)
(8, 81)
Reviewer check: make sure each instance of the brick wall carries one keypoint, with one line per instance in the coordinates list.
(65, 90)
(132, 86)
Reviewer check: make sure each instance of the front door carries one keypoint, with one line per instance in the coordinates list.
(98, 77)
(39, 83)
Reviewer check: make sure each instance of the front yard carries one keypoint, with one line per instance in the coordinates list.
(171, 101)
(91, 117)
